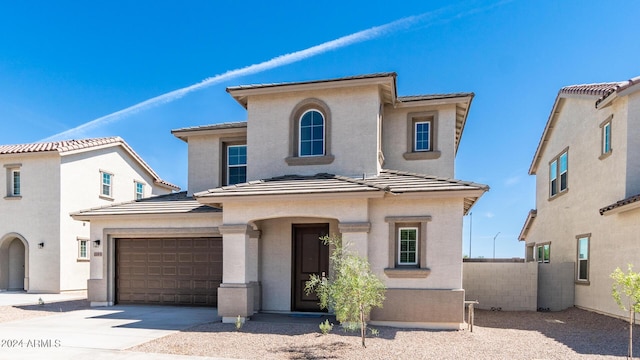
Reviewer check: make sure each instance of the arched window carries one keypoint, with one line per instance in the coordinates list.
(311, 134)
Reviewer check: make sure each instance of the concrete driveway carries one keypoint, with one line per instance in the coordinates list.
(98, 333)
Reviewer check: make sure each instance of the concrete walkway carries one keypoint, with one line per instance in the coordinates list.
(98, 333)
(13, 298)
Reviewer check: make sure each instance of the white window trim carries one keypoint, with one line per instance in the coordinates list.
(417, 241)
(415, 136)
(102, 184)
(233, 166)
(587, 259)
(13, 182)
(324, 134)
(87, 248)
(542, 260)
(556, 163)
(135, 190)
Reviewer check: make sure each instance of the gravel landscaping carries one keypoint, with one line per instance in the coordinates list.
(23, 312)
(570, 334)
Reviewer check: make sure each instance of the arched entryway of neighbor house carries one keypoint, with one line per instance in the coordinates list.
(14, 262)
(290, 250)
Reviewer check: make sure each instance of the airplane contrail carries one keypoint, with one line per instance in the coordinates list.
(278, 61)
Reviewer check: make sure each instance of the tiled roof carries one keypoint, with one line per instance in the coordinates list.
(598, 89)
(356, 77)
(176, 203)
(65, 146)
(621, 203)
(434, 96)
(227, 125)
(59, 146)
(389, 181)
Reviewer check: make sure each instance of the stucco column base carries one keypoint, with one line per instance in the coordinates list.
(421, 308)
(257, 296)
(235, 300)
(97, 292)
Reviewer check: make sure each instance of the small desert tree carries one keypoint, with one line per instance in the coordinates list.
(351, 291)
(628, 285)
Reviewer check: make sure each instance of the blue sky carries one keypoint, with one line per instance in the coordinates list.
(64, 64)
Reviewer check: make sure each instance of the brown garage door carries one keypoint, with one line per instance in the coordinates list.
(182, 271)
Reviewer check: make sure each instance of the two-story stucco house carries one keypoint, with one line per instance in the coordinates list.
(341, 156)
(42, 249)
(587, 168)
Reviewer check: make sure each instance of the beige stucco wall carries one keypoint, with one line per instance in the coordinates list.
(503, 286)
(268, 132)
(395, 129)
(35, 217)
(593, 183)
(633, 142)
(80, 183)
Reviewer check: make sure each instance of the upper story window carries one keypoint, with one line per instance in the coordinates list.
(422, 131)
(14, 184)
(236, 164)
(139, 189)
(558, 174)
(106, 188)
(606, 137)
(310, 134)
(421, 136)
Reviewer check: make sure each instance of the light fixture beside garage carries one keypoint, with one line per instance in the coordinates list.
(96, 242)
(41, 245)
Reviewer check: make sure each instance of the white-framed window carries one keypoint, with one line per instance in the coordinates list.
(606, 137)
(407, 246)
(582, 261)
(311, 134)
(139, 189)
(15, 182)
(106, 181)
(236, 164)
(422, 136)
(83, 249)
(544, 253)
(558, 174)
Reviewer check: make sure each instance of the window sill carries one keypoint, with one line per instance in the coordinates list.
(421, 155)
(583, 282)
(559, 194)
(83, 260)
(309, 160)
(606, 155)
(412, 273)
(13, 197)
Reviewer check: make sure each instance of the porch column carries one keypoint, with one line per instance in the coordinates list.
(239, 269)
(356, 236)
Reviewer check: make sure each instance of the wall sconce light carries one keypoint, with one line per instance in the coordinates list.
(41, 245)
(96, 242)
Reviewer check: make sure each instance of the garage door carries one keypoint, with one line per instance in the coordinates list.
(175, 271)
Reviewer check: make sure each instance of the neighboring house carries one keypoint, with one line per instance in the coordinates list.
(587, 220)
(342, 156)
(42, 249)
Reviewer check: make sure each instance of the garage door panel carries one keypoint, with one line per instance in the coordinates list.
(169, 271)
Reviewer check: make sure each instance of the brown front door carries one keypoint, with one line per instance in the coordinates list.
(310, 256)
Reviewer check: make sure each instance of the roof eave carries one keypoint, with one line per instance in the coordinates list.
(212, 199)
(527, 224)
(553, 117)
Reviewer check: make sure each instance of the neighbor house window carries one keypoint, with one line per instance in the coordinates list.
(558, 174)
(606, 136)
(139, 189)
(83, 249)
(421, 136)
(236, 164)
(408, 246)
(544, 252)
(311, 134)
(14, 185)
(106, 182)
(583, 258)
